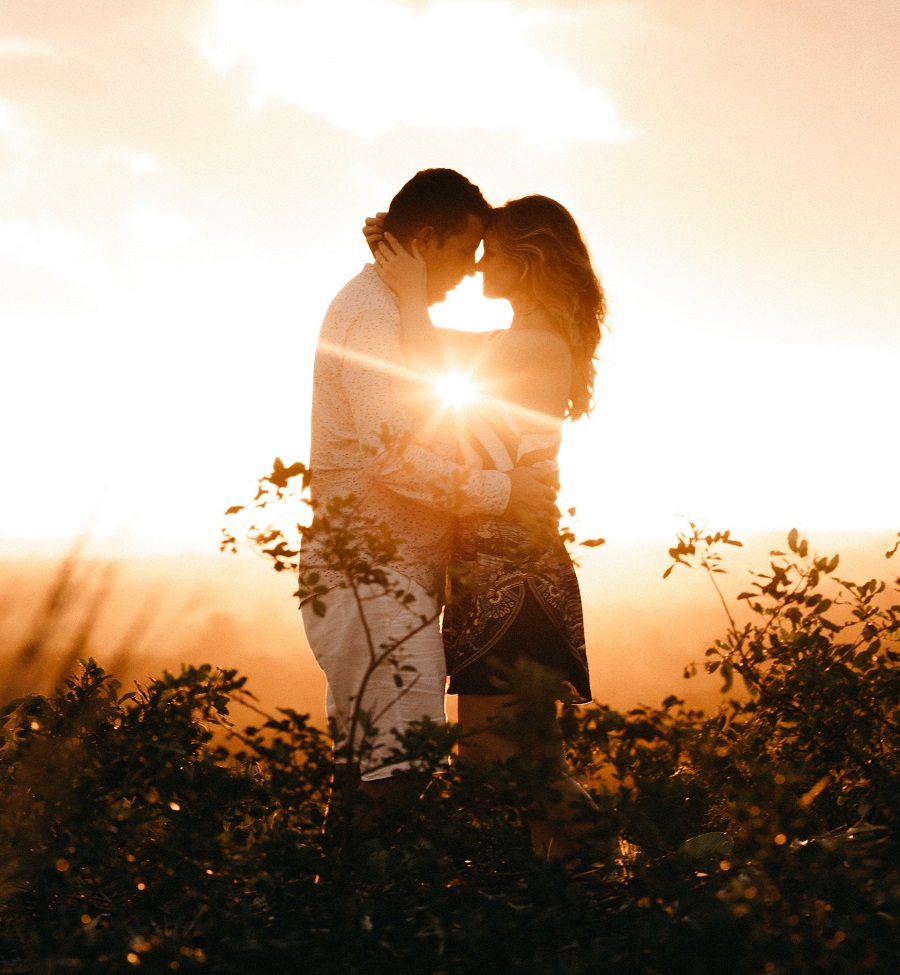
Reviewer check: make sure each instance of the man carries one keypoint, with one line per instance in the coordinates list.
(375, 634)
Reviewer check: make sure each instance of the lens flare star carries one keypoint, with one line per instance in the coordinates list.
(455, 389)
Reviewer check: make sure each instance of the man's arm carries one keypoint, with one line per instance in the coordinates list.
(378, 391)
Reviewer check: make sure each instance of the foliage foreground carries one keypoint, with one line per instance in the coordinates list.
(147, 831)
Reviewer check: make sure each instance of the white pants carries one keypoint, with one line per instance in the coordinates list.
(382, 662)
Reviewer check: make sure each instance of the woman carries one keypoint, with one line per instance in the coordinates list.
(513, 615)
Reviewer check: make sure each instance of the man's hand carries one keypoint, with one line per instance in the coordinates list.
(532, 495)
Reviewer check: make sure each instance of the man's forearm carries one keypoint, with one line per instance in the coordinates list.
(419, 474)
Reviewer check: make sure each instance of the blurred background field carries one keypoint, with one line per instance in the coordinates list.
(140, 615)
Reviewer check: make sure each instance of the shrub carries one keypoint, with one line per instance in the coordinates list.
(146, 831)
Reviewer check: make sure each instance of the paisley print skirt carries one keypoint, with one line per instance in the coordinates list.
(512, 596)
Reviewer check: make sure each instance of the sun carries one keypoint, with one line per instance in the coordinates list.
(455, 389)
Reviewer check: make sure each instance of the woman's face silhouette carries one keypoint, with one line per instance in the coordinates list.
(502, 276)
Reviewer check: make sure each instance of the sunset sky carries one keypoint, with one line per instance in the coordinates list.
(183, 182)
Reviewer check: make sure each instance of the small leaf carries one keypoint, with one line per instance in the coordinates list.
(708, 845)
(727, 676)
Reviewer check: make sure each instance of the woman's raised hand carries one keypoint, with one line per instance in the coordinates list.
(401, 271)
(373, 230)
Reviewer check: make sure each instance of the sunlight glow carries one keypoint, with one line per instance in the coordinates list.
(466, 310)
(156, 228)
(6, 117)
(455, 389)
(168, 251)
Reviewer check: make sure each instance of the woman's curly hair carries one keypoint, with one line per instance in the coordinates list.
(542, 236)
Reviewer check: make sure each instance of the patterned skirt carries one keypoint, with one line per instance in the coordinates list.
(512, 597)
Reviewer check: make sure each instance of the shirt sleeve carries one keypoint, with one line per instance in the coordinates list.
(378, 388)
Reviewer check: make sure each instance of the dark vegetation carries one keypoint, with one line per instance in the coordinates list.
(151, 831)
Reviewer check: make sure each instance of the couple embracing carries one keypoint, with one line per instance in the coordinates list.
(466, 498)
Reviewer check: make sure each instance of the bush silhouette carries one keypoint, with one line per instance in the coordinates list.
(148, 831)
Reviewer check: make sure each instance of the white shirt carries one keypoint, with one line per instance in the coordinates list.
(363, 421)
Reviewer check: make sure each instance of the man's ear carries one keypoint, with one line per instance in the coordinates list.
(425, 238)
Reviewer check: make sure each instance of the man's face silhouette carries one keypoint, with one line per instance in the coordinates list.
(448, 263)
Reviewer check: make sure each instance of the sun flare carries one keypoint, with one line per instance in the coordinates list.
(455, 389)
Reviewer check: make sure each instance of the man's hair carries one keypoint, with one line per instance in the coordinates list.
(439, 198)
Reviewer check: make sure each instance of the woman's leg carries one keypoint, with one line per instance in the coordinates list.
(561, 820)
(477, 714)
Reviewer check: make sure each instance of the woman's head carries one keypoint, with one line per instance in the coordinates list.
(540, 255)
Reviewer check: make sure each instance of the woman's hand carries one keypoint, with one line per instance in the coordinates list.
(373, 230)
(403, 272)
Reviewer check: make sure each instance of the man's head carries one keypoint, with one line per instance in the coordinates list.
(445, 215)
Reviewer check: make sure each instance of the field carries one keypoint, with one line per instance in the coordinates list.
(233, 611)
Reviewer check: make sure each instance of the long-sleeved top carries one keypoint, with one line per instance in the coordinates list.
(364, 427)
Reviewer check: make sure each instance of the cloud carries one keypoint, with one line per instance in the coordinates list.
(11, 47)
(371, 66)
(155, 228)
(12, 131)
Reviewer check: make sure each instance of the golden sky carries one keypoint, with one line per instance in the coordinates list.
(182, 184)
